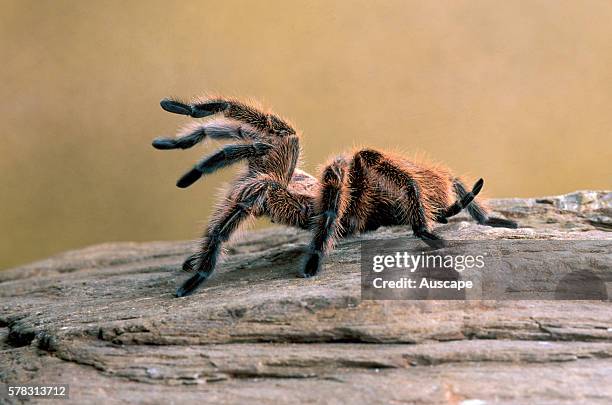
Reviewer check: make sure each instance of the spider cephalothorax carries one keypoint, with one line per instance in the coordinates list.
(357, 192)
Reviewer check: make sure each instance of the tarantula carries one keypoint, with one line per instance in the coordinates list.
(357, 192)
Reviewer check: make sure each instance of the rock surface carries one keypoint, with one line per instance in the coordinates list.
(103, 319)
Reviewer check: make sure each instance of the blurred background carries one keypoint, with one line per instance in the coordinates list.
(518, 92)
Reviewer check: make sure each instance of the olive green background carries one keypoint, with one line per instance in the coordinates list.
(517, 92)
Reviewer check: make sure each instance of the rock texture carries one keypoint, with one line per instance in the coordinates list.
(103, 319)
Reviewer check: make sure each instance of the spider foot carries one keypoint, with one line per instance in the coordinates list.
(184, 142)
(164, 143)
(175, 107)
(191, 284)
(189, 178)
(312, 264)
(500, 223)
(477, 187)
(431, 239)
(469, 197)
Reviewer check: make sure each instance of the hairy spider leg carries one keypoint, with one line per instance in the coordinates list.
(232, 109)
(283, 146)
(223, 157)
(461, 203)
(253, 198)
(478, 212)
(195, 133)
(224, 222)
(330, 205)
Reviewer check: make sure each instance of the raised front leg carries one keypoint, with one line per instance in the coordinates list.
(225, 156)
(233, 109)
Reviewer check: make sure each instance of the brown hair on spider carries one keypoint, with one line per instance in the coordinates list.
(356, 192)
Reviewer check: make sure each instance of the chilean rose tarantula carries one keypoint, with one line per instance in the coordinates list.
(357, 192)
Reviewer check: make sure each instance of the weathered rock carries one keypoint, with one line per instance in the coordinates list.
(103, 319)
